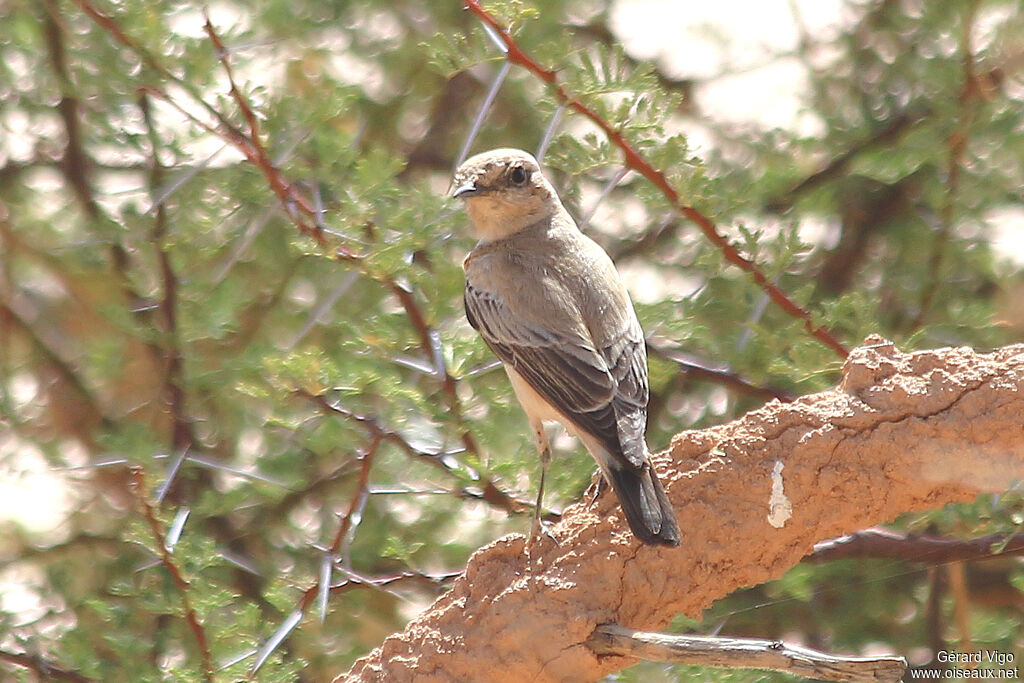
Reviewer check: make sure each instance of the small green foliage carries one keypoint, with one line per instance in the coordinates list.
(451, 53)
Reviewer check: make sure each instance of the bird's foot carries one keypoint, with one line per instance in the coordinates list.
(538, 529)
(596, 488)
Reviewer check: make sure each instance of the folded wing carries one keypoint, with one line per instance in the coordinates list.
(603, 391)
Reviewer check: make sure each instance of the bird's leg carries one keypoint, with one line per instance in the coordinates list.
(538, 510)
(596, 487)
(544, 450)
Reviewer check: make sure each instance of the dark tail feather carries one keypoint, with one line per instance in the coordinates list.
(648, 511)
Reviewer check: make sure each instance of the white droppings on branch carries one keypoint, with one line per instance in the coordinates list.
(780, 510)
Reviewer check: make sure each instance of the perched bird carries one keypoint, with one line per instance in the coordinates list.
(549, 302)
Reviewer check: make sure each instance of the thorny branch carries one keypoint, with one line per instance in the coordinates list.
(322, 588)
(428, 340)
(496, 497)
(182, 437)
(250, 145)
(431, 347)
(167, 560)
(635, 161)
(296, 205)
(253, 148)
(349, 521)
(355, 580)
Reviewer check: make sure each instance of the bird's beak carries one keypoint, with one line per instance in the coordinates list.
(466, 189)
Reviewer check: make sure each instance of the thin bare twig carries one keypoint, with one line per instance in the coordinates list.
(634, 160)
(720, 651)
(614, 180)
(549, 132)
(702, 370)
(924, 548)
(897, 127)
(355, 580)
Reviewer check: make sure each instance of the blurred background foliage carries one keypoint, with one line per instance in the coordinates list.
(207, 413)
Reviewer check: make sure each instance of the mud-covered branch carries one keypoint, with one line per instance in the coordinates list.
(902, 432)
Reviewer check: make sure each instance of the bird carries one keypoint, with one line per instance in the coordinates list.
(550, 304)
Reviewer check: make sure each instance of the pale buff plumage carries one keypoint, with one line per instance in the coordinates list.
(549, 302)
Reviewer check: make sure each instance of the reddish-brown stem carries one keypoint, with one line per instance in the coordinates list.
(419, 323)
(296, 205)
(285, 192)
(167, 560)
(365, 462)
(636, 162)
(253, 148)
(299, 208)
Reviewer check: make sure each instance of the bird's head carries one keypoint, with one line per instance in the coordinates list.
(504, 191)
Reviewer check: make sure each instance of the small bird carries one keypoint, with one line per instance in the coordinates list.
(550, 304)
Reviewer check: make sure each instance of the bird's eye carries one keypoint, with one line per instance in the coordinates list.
(518, 175)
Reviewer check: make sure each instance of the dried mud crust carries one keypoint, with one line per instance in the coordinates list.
(901, 432)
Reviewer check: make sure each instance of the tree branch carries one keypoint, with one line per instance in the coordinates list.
(745, 653)
(901, 432)
(45, 669)
(490, 492)
(716, 373)
(168, 561)
(924, 549)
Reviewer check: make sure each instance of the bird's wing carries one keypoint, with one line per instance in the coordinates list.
(627, 362)
(603, 391)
